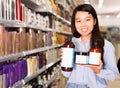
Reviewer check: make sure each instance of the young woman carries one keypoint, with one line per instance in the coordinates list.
(85, 29)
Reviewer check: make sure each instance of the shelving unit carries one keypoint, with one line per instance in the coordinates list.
(16, 23)
(24, 53)
(38, 8)
(59, 17)
(33, 5)
(12, 23)
(50, 81)
(22, 82)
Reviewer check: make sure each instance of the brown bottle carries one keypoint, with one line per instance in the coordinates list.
(95, 55)
(67, 63)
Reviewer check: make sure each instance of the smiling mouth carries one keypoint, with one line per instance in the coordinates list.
(84, 30)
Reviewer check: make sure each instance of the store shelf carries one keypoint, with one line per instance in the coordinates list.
(15, 23)
(27, 79)
(36, 27)
(39, 50)
(61, 18)
(12, 23)
(37, 7)
(72, 3)
(32, 4)
(50, 81)
(22, 82)
(48, 29)
(24, 53)
(10, 56)
(59, 31)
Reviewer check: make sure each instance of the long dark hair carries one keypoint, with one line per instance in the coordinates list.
(96, 35)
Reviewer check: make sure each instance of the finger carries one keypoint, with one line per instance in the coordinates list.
(101, 63)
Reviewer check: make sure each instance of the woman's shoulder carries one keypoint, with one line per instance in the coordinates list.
(108, 44)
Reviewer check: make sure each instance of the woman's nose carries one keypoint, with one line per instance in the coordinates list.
(83, 23)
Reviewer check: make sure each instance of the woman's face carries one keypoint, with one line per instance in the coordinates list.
(84, 23)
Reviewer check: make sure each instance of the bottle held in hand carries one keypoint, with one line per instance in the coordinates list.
(82, 57)
(95, 55)
(67, 63)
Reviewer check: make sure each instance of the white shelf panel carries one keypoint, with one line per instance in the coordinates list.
(36, 27)
(59, 31)
(15, 23)
(12, 23)
(59, 17)
(24, 53)
(31, 4)
(10, 56)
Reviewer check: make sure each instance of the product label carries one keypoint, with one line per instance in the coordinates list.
(81, 59)
(67, 57)
(94, 58)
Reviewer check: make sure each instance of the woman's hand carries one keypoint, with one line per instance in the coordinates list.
(96, 68)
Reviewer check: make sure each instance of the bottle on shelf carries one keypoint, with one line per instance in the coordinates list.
(2, 40)
(95, 54)
(33, 83)
(40, 82)
(67, 63)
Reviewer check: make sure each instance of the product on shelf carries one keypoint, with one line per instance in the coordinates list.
(25, 35)
(2, 40)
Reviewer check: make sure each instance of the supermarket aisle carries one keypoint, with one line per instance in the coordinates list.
(115, 84)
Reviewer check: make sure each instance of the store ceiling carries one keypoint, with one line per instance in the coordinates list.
(108, 12)
(109, 7)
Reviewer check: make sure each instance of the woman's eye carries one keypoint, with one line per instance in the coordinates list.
(78, 21)
(87, 19)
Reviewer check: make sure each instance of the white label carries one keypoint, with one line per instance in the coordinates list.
(81, 59)
(67, 57)
(94, 58)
